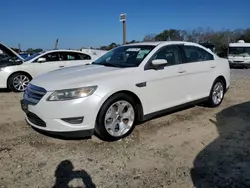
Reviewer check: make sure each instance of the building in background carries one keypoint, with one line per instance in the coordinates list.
(93, 52)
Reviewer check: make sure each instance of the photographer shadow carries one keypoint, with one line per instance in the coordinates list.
(226, 161)
(65, 173)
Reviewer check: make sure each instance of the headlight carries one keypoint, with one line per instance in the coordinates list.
(69, 94)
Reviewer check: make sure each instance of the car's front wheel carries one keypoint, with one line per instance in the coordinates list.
(18, 82)
(116, 118)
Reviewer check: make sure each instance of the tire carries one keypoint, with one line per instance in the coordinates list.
(216, 94)
(109, 111)
(13, 80)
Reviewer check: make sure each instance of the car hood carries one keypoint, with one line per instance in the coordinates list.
(78, 76)
(10, 52)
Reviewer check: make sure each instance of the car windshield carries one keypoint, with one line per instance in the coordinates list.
(32, 56)
(239, 51)
(125, 56)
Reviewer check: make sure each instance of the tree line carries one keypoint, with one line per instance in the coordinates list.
(29, 50)
(220, 38)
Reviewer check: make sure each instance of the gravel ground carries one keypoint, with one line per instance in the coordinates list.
(198, 147)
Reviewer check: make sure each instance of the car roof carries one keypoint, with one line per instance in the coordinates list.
(163, 43)
(239, 45)
(156, 43)
(63, 50)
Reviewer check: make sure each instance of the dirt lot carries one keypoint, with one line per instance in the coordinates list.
(198, 146)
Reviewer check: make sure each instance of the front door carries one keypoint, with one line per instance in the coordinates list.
(168, 86)
(51, 61)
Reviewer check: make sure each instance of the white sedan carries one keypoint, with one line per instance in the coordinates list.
(16, 72)
(129, 84)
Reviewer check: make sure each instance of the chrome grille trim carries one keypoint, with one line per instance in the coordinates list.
(33, 94)
(37, 92)
(31, 101)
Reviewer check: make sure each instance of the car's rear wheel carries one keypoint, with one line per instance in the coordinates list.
(116, 118)
(217, 93)
(18, 82)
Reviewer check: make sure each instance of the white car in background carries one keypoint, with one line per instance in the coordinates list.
(239, 54)
(16, 72)
(129, 84)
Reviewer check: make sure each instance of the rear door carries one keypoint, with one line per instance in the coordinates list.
(199, 65)
(75, 58)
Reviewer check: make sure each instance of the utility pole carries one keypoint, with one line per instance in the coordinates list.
(56, 44)
(123, 20)
(19, 47)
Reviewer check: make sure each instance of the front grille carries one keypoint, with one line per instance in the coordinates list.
(33, 118)
(33, 94)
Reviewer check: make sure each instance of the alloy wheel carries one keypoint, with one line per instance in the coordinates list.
(218, 92)
(119, 118)
(20, 82)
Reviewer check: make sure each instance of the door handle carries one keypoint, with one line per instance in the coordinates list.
(61, 66)
(182, 71)
(213, 66)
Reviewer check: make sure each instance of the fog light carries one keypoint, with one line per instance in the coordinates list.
(73, 120)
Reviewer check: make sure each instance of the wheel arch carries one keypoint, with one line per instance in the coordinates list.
(222, 78)
(18, 72)
(129, 93)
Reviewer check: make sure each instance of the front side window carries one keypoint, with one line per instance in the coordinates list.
(169, 53)
(196, 54)
(54, 56)
(125, 56)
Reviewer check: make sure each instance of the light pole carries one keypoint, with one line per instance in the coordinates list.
(123, 20)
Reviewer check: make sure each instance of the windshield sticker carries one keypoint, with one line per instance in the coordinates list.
(133, 49)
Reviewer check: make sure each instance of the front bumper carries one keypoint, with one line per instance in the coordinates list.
(239, 64)
(67, 135)
(49, 116)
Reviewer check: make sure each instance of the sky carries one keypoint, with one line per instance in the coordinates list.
(85, 23)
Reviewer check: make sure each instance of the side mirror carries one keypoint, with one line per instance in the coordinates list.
(159, 62)
(41, 60)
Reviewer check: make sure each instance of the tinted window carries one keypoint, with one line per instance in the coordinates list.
(54, 56)
(170, 53)
(83, 56)
(196, 54)
(68, 56)
(240, 51)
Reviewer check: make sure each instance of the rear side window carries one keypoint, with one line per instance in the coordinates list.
(70, 56)
(83, 57)
(196, 54)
